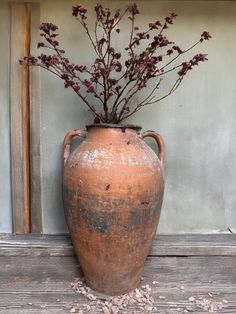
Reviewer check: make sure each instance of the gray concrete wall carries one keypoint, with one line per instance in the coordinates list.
(5, 192)
(198, 122)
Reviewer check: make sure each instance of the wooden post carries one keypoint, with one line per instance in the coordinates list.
(20, 118)
(35, 145)
(26, 113)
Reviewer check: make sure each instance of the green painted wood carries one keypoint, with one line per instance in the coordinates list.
(5, 184)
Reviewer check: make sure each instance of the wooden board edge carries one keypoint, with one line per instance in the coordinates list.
(35, 123)
(61, 246)
(18, 112)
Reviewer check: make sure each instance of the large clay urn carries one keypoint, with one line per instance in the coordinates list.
(113, 190)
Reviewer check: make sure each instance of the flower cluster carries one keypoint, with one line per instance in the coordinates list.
(186, 66)
(116, 78)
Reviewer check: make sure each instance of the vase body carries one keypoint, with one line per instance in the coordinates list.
(112, 191)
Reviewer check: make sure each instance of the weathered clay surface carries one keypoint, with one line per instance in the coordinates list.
(113, 191)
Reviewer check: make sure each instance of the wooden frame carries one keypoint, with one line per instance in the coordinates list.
(184, 273)
(35, 145)
(19, 95)
(174, 245)
(25, 146)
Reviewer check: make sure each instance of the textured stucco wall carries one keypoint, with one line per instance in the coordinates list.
(5, 192)
(198, 122)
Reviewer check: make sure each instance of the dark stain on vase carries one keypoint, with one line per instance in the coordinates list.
(99, 222)
(112, 203)
(107, 187)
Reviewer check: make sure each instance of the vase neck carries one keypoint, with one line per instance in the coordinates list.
(114, 126)
(111, 132)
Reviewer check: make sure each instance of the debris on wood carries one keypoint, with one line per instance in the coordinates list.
(141, 297)
(155, 282)
(207, 305)
(191, 299)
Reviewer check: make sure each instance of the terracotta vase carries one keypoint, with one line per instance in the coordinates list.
(112, 190)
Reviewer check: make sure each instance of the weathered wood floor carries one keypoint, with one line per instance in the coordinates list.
(36, 272)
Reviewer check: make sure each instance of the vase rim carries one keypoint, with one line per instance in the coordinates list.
(114, 126)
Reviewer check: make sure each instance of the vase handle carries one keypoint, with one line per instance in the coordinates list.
(67, 141)
(160, 143)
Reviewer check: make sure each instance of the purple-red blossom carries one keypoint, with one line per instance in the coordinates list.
(49, 60)
(200, 57)
(48, 27)
(186, 66)
(169, 19)
(115, 77)
(160, 41)
(117, 88)
(169, 52)
(205, 36)
(133, 9)
(112, 81)
(40, 45)
(177, 48)
(104, 16)
(155, 25)
(117, 55)
(79, 10)
(30, 60)
(81, 68)
(116, 65)
(89, 86)
(117, 14)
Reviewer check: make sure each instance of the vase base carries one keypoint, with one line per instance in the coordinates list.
(106, 293)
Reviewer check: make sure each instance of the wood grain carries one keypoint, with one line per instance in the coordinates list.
(19, 95)
(35, 282)
(42, 284)
(35, 120)
(163, 245)
(26, 113)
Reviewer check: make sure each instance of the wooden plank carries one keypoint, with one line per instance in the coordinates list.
(35, 150)
(26, 114)
(19, 95)
(163, 245)
(194, 244)
(39, 285)
(24, 274)
(47, 302)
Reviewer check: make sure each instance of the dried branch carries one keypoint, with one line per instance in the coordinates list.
(116, 78)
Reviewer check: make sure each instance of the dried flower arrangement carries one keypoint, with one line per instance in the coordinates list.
(117, 79)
